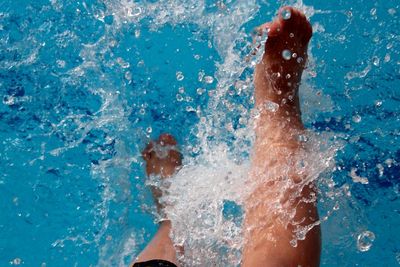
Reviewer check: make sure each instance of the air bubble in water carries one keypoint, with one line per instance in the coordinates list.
(365, 240)
(378, 103)
(286, 14)
(208, 79)
(294, 55)
(179, 76)
(271, 106)
(286, 54)
(149, 130)
(291, 35)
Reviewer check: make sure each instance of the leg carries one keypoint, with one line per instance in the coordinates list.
(161, 159)
(281, 194)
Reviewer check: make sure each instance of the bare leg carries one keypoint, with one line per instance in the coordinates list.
(281, 192)
(162, 159)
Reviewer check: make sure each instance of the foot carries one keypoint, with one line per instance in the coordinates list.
(277, 76)
(162, 160)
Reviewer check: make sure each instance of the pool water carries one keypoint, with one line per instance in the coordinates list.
(84, 85)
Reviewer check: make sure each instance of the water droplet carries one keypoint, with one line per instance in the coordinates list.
(179, 98)
(134, 12)
(208, 79)
(197, 57)
(286, 54)
(179, 76)
(286, 14)
(302, 138)
(61, 63)
(190, 109)
(8, 100)
(376, 61)
(398, 257)
(389, 162)
(242, 121)
(271, 106)
(291, 35)
(357, 118)
(288, 76)
(336, 207)
(299, 60)
(378, 103)
(294, 55)
(365, 240)
(200, 75)
(200, 91)
(380, 169)
(140, 63)
(275, 75)
(181, 90)
(16, 261)
(137, 33)
(128, 75)
(356, 178)
(341, 38)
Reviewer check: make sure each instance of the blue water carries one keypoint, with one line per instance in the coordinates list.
(85, 84)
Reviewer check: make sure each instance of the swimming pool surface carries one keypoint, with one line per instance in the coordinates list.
(84, 85)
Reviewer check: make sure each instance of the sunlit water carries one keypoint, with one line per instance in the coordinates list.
(86, 84)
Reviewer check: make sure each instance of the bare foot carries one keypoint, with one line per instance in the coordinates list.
(281, 188)
(162, 159)
(278, 75)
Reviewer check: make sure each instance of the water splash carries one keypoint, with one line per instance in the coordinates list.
(365, 240)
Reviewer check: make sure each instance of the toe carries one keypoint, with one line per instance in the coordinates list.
(147, 152)
(166, 140)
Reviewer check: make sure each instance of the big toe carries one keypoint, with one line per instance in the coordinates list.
(291, 23)
(166, 140)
